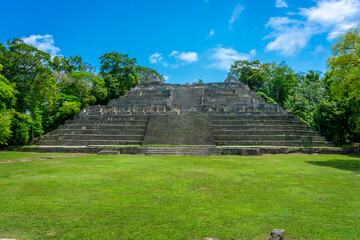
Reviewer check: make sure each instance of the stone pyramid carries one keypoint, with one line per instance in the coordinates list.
(214, 114)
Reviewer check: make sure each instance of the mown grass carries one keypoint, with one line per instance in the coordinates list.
(5, 155)
(150, 197)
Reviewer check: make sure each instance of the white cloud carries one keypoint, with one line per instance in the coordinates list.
(339, 30)
(235, 15)
(289, 42)
(281, 4)
(318, 49)
(223, 58)
(211, 33)
(333, 17)
(166, 78)
(329, 13)
(174, 53)
(155, 58)
(42, 42)
(289, 34)
(185, 57)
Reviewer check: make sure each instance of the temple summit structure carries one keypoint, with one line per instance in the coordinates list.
(197, 119)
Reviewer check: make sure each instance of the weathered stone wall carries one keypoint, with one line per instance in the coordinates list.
(182, 129)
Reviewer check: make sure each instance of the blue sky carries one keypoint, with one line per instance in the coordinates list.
(187, 39)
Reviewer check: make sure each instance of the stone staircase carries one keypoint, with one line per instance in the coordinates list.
(182, 150)
(98, 130)
(264, 130)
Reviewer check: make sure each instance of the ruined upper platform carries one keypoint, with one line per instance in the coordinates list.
(155, 97)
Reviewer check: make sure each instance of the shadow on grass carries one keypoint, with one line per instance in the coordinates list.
(350, 165)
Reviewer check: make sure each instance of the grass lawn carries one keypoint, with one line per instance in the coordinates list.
(19, 155)
(149, 197)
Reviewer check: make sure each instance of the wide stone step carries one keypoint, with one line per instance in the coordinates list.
(116, 117)
(268, 138)
(178, 151)
(272, 143)
(117, 122)
(93, 137)
(254, 117)
(103, 126)
(147, 100)
(257, 122)
(259, 127)
(247, 132)
(98, 131)
(86, 142)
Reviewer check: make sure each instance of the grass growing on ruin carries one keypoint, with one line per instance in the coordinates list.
(149, 197)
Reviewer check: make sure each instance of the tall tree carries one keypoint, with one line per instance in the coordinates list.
(254, 74)
(119, 73)
(303, 99)
(71, 64)
(344, 73)
(142, 72)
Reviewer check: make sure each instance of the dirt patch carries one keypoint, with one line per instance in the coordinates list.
(42, 158)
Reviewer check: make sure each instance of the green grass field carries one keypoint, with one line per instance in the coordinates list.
(148, 197)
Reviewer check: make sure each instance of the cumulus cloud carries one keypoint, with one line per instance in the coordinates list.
(211, 33)
(235, 15)
(289, 34)
(223, 58)
(333, 17)
(155, 58)
(185, 57)
(281, 4)
(42, 42)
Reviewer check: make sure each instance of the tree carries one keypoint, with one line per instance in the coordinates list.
(7, 100)
(87, 87)
(251, 73)
(305, 98)
(344, 74)
(119, 73)
(281, 80)
(72, 64)
(25, 66)
(272, 80)
(142, 72)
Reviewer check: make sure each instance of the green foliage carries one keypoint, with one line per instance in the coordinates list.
(36, 127)
(7, 93)
(72, 64)
(20, 126)
(267, 98)
(344, 72)
(5, 127)
(68, 110)
(251, 73)
(119, 73)
(276, 81)
(281, 81)
(142, 72)
(332, 120)
(25, 66)
(303, 99)
(87, 87)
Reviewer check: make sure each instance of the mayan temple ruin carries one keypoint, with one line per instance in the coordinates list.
(174, 119)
